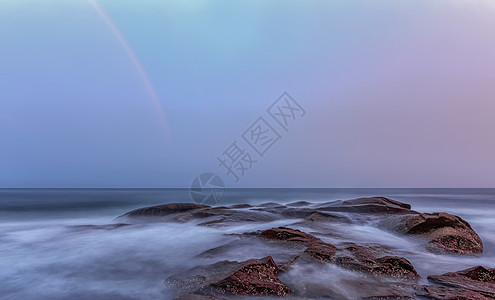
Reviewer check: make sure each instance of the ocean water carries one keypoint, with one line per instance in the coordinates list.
(45, 253)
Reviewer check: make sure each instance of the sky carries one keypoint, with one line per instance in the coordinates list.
(153, 93)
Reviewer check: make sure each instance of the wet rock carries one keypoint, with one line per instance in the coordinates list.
(327, 217)
(271, 205)
(99, 227)
(363, 259)
(288, 234)
(197, 297)
(447, 233)
(245, 247)
(449, 293)
(351, 256)
(221, 216)
(240, 206)
(299, 204)
(201, 276)
(373, 205)
(479, 279)
(257, 277)
(377, 200)
(164, 210)
(354, 288)
(374, 290)
(297, 212)
(322, 251)
(397, 267)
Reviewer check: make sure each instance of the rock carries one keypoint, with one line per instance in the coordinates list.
(374, 290)
(257, 277)
(164, 210)
(201, 276)
(377, 200)
(362, 259)
(352, 256)
(197, 297)
(447, 233)
(98, 227)
(397, 267)
(288, 234)
(373, 205)
(322, 251)
(299, 204)
(240, 206)
(221, 216)
(355, 288)
(327, 217)
(479, 279)
(448, 293)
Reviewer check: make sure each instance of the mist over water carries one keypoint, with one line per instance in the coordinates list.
(45, 253)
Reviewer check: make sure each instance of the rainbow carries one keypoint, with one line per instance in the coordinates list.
(135, 61)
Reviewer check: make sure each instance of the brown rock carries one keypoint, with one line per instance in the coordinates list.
(375, 205)
(362, 259)
(164, 210)
(447, 233)
(197, 297)
(288, 234)
(449, 293)
(397, 267)
(479, 279)
(370, 289)
(257, 277)
(322, 251)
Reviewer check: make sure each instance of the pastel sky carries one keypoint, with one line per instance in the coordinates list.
(120, 93)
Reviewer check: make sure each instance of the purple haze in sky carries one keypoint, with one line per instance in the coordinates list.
(397, 93)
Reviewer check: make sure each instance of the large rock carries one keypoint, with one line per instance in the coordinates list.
(203, 214)
(164, 210)
(449, 293)
(353, 288)
(372, 205)
(288, 234)
(257, 277)
(197, 297)
(478, 279)
(363, 259)
(447, 233)
(351, 256)
(254, 277)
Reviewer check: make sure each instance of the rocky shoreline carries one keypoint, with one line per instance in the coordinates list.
(371, 271)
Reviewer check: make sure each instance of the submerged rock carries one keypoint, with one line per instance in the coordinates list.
(288, 234)
(363, 259)
(164, 210)
(372, 205)
(99, 227)
(197, 297)
(478, 279)
(257, 277)
(351, 256)
(449, 293)
(447, 233)
(353, 288)
(377, 273)
(444, 233)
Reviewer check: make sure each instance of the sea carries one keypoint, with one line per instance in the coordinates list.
(46, 252)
